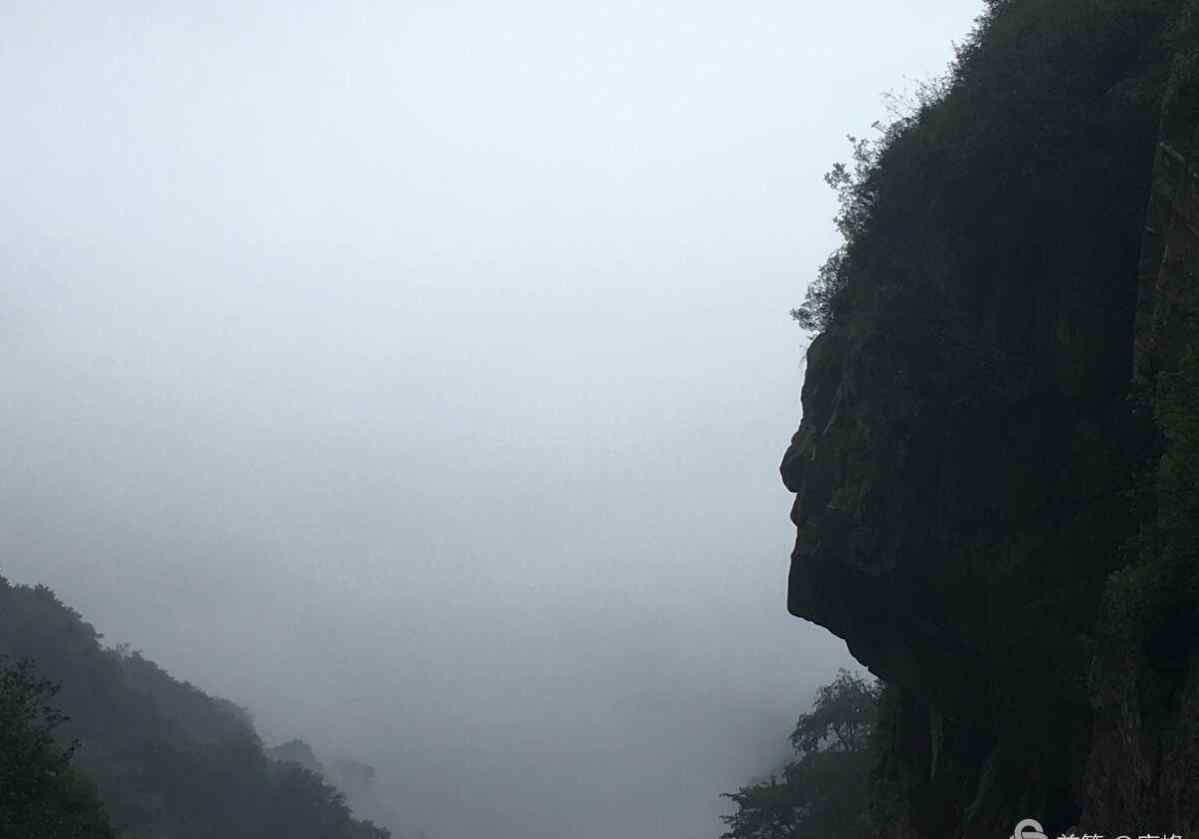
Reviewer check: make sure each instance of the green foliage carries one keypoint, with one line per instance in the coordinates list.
(41, 795)
(1152, 603)
(1176, 409)
(166, 758)
(842, 717)
(826, 295)
(824, 791)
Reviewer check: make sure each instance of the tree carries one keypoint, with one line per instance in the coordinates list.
(40, 794)
(823, 792)
(842, 717)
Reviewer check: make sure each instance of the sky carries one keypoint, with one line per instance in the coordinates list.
(416, 374)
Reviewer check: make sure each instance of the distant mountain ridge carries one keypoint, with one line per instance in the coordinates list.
(352, 777)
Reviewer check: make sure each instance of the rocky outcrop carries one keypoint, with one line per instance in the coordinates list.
(985, 493)
(299, 753)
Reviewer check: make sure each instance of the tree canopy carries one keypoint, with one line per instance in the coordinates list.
(41, 795)
(823, 792)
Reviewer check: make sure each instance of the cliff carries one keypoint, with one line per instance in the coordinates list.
(995, 469)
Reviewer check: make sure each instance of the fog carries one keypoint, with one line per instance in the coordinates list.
(416, 374)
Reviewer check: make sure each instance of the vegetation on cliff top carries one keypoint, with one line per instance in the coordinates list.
(998, 151)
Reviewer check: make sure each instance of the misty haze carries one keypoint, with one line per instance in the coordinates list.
(415, 376)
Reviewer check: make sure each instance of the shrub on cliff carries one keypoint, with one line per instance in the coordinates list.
(824, 791)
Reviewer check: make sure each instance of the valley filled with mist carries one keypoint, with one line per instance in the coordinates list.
(414, 376)
(394, 398)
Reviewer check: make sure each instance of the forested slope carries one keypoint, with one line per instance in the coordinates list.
(166, 759)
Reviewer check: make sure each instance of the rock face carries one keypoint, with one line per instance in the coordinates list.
(992, 509)
(1144, 762)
